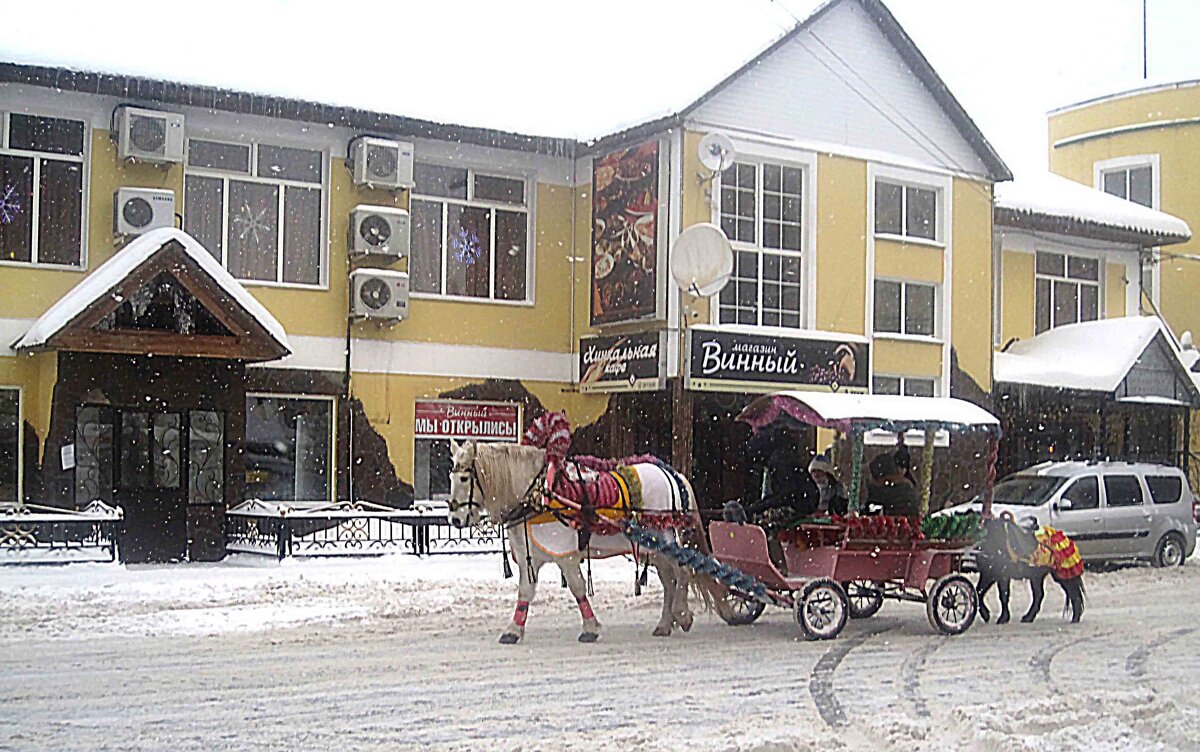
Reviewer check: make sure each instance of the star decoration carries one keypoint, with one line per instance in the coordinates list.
(253, 224)
(10, 205)
(466, 247)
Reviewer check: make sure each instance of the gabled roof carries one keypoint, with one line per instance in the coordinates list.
(1051, 203)
(1094, 356)
(104, 289)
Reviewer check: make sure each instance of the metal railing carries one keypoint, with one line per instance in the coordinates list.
(360, 528)
(37, 534)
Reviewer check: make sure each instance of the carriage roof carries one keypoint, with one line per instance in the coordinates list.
(846, 412)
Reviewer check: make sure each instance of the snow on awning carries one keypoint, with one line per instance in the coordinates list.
(112, 272)
(1053, 203)
(1094, 356)
(867, 411)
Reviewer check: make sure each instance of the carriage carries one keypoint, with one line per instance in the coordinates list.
(839, 568)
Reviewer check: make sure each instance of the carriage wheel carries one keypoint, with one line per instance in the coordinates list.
(865, 597)
(739, 610)
(822, 610)
(952, 604)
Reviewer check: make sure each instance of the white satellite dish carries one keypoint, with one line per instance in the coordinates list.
(702, 260)
(717, 152)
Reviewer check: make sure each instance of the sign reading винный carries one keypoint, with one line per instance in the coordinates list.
(622, 363)
(723, 360)
(492, 421)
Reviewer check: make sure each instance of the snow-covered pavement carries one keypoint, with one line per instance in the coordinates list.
(401, 653)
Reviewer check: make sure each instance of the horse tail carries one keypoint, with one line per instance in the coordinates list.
(711, 593)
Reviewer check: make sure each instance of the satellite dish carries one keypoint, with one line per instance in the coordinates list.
(717, 152)
(702, 260)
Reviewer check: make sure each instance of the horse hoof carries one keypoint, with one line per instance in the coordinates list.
(1002, 620)
(588, 637)
(508, 638)
(1028, 618)
(662, 632)
(686, 623)
(985, 614)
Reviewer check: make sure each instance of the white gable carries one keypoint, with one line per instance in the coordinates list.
(833, 83)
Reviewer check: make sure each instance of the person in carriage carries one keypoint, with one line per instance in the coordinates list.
(891, 489)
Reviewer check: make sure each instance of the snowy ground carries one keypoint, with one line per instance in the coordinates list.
(401, 653)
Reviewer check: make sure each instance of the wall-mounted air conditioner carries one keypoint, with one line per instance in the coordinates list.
(381, 163)
(140, 210)
(148, 135)
(379, 231)
(379, 294)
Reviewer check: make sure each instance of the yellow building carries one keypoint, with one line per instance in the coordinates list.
(265, 354)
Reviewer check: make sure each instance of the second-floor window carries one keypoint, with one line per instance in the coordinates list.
(1068, 290)
(1135, 183)
(908, 211)
(761, 214)
(257, 208)
(909, 386)
(470, 234)
(41, 189)
(905, 308)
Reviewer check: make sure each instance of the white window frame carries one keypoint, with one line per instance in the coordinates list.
(806, 162)
(1153, 161)
(20, 439)
(903, 335)
(1099, 284)
(252, 177)
(939, 204)
(38, 156)
(904, 382)
(333, 430)
(530, 181)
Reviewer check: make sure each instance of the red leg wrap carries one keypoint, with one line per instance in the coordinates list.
(585, 608)
(521, 613)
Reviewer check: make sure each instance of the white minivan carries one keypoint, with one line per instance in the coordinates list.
(1112, 510)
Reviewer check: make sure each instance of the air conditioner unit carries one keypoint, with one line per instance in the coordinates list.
(140, 210)
(149, 135)
(381, 163)
(379, 294)
(379, 230)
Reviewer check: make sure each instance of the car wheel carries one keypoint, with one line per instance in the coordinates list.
(1169, 552)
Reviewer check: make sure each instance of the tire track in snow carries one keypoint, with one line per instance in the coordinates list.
(910, 679)
(1135, 662)
(820, 681)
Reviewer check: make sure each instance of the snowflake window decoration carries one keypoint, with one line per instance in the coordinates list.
(253, 225)
(10, 205)
(466, 247)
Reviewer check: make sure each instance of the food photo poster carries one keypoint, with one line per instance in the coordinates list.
(625, 234)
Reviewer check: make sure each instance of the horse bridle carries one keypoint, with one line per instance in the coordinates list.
(470, 502)
(522, 512)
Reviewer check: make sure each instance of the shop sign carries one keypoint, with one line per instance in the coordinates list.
(730, 361)
(622, 363)
(489, 421)
(625, 235)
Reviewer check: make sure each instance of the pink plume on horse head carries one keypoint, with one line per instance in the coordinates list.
(550, 431)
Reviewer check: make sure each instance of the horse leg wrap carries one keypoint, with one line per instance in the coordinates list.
(585, 608)
(521, 614)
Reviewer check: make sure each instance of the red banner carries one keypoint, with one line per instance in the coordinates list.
(467, 420)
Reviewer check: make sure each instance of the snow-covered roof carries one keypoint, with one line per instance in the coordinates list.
(1054, 197)
(841, 411)
(1093, 356)
(111, 273)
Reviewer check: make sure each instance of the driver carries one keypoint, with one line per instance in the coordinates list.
(890, 489)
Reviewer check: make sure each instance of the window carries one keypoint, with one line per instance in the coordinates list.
(470, 234)
(1068, 290)
(906, 210)
(761, 213)
(1134, 184)
(905, 308)
(1083, 494)
(1122, 491)
(257, 209)
(910, 386)
(41, 189)
(289, 448)
(10, 445)
(1165, 489)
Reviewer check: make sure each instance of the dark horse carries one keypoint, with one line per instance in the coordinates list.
(1004, 555)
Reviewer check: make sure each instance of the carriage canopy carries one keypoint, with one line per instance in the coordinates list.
(865, 412)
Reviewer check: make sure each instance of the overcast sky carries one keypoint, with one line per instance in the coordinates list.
(555, 67)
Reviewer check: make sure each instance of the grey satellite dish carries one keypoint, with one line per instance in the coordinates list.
(702, 260)
(717, 152)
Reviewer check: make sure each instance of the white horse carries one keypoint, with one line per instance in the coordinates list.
(506, 481)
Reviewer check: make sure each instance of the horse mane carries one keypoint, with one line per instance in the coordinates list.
(505, 471)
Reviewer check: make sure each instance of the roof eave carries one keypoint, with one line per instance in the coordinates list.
(1023, 219)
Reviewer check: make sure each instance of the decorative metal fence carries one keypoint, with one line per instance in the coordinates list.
(36, 534)
(360, 528)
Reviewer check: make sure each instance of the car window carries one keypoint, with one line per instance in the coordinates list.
(1122, 490)
(1083, 493)
(1025, 490)
(1165, 489)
